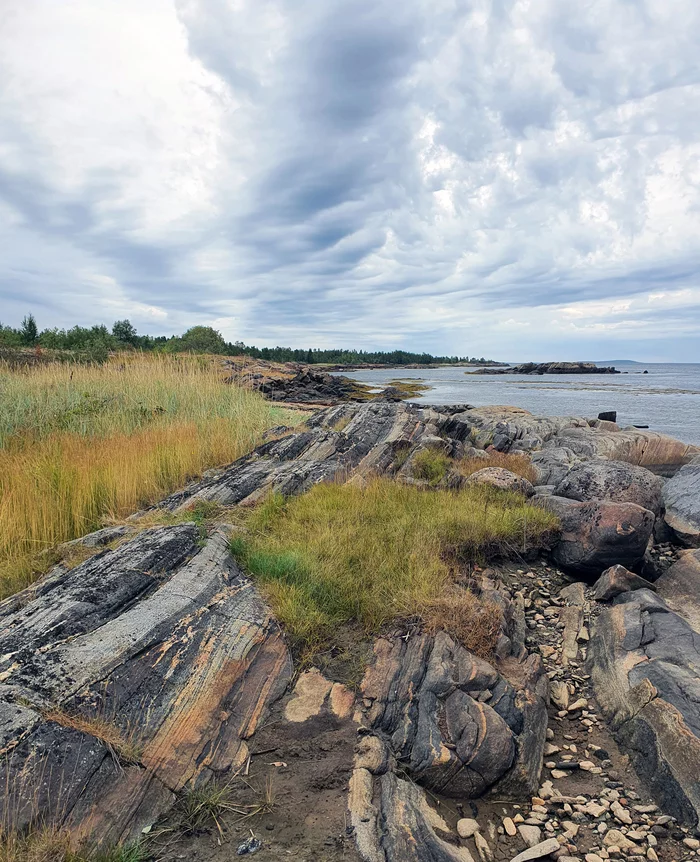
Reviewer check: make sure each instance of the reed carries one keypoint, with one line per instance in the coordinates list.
(80, 445)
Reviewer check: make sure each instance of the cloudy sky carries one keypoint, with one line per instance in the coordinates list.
(513, 178)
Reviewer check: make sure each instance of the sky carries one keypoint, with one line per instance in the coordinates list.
(517, 179)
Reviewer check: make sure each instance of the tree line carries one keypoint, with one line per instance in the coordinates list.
(96, 342)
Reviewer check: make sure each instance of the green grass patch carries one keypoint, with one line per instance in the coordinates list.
(431, 464)
(376, 553)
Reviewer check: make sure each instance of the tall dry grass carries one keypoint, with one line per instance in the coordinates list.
(83, 444)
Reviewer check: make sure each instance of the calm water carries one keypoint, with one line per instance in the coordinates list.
(667, 399)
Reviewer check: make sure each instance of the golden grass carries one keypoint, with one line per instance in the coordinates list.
(53, 844)
(519, 464)
(124, 747)
(80, 445)
(377, 553)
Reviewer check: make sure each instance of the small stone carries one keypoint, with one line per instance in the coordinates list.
(558, 773)
(466, 827)
(570, 829)
(615, 838)
(545, 848)
(581, 703)
(593, 857)
(549, 733)
(483, 848)
(509, 826)
(652, 855)
(531, 835)
(621, 814)
(692, 843)
(550, 749)
(586, 765)
(594, 809)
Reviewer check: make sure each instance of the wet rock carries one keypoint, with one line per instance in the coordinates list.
(598, 534)
(612, 480)
(617, 580)
(497, 477)
(681, 496)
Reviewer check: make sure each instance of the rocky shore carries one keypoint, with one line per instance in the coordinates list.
(579, 739)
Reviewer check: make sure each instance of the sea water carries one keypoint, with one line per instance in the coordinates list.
(667, 398)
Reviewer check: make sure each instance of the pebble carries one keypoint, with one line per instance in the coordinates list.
(466, 827)
(509, 826)
(621, 815)
(593, 857)
(615, 838)
(545, 848)
(559, 773)
(692, 843)
(531, 835)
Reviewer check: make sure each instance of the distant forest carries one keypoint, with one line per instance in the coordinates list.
(96, 342)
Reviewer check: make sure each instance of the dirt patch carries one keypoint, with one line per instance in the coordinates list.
(304, 769)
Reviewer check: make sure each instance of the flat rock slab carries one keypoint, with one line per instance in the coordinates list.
(166, 639)
(644, 661)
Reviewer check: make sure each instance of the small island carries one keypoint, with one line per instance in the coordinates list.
(551, 368)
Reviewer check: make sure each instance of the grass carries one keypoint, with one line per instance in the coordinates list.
(52, 844)
(431, 464)
(124, 747)
(377, 553)
(519, 464)
(201, 807)
(80, 445)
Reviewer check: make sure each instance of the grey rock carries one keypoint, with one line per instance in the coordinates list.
(544, 848)
(679, 586)
(598, 534)
(612, 480)
(681, 496)
(617, 580)
(644, 661)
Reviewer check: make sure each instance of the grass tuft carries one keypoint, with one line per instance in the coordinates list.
(431, 464)
(124, 747)
(374, 554)
(80, 445)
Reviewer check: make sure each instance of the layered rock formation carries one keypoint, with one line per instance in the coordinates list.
(164, 641)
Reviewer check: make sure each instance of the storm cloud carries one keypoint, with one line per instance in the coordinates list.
(497, 177)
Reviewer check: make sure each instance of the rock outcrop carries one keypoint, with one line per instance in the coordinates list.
(552, 368)
(309, 387)
(645, 664)
(162, 639)
(681, 496)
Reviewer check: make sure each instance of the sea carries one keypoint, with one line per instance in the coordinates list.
(666, 398)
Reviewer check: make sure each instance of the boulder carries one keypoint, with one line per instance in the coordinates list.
(498, 477)
(598, 534)
(681, 497)
(679, 586)
(553, 464)
(644, 661)
(617, 580)
(612, 480)
(428, 702)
